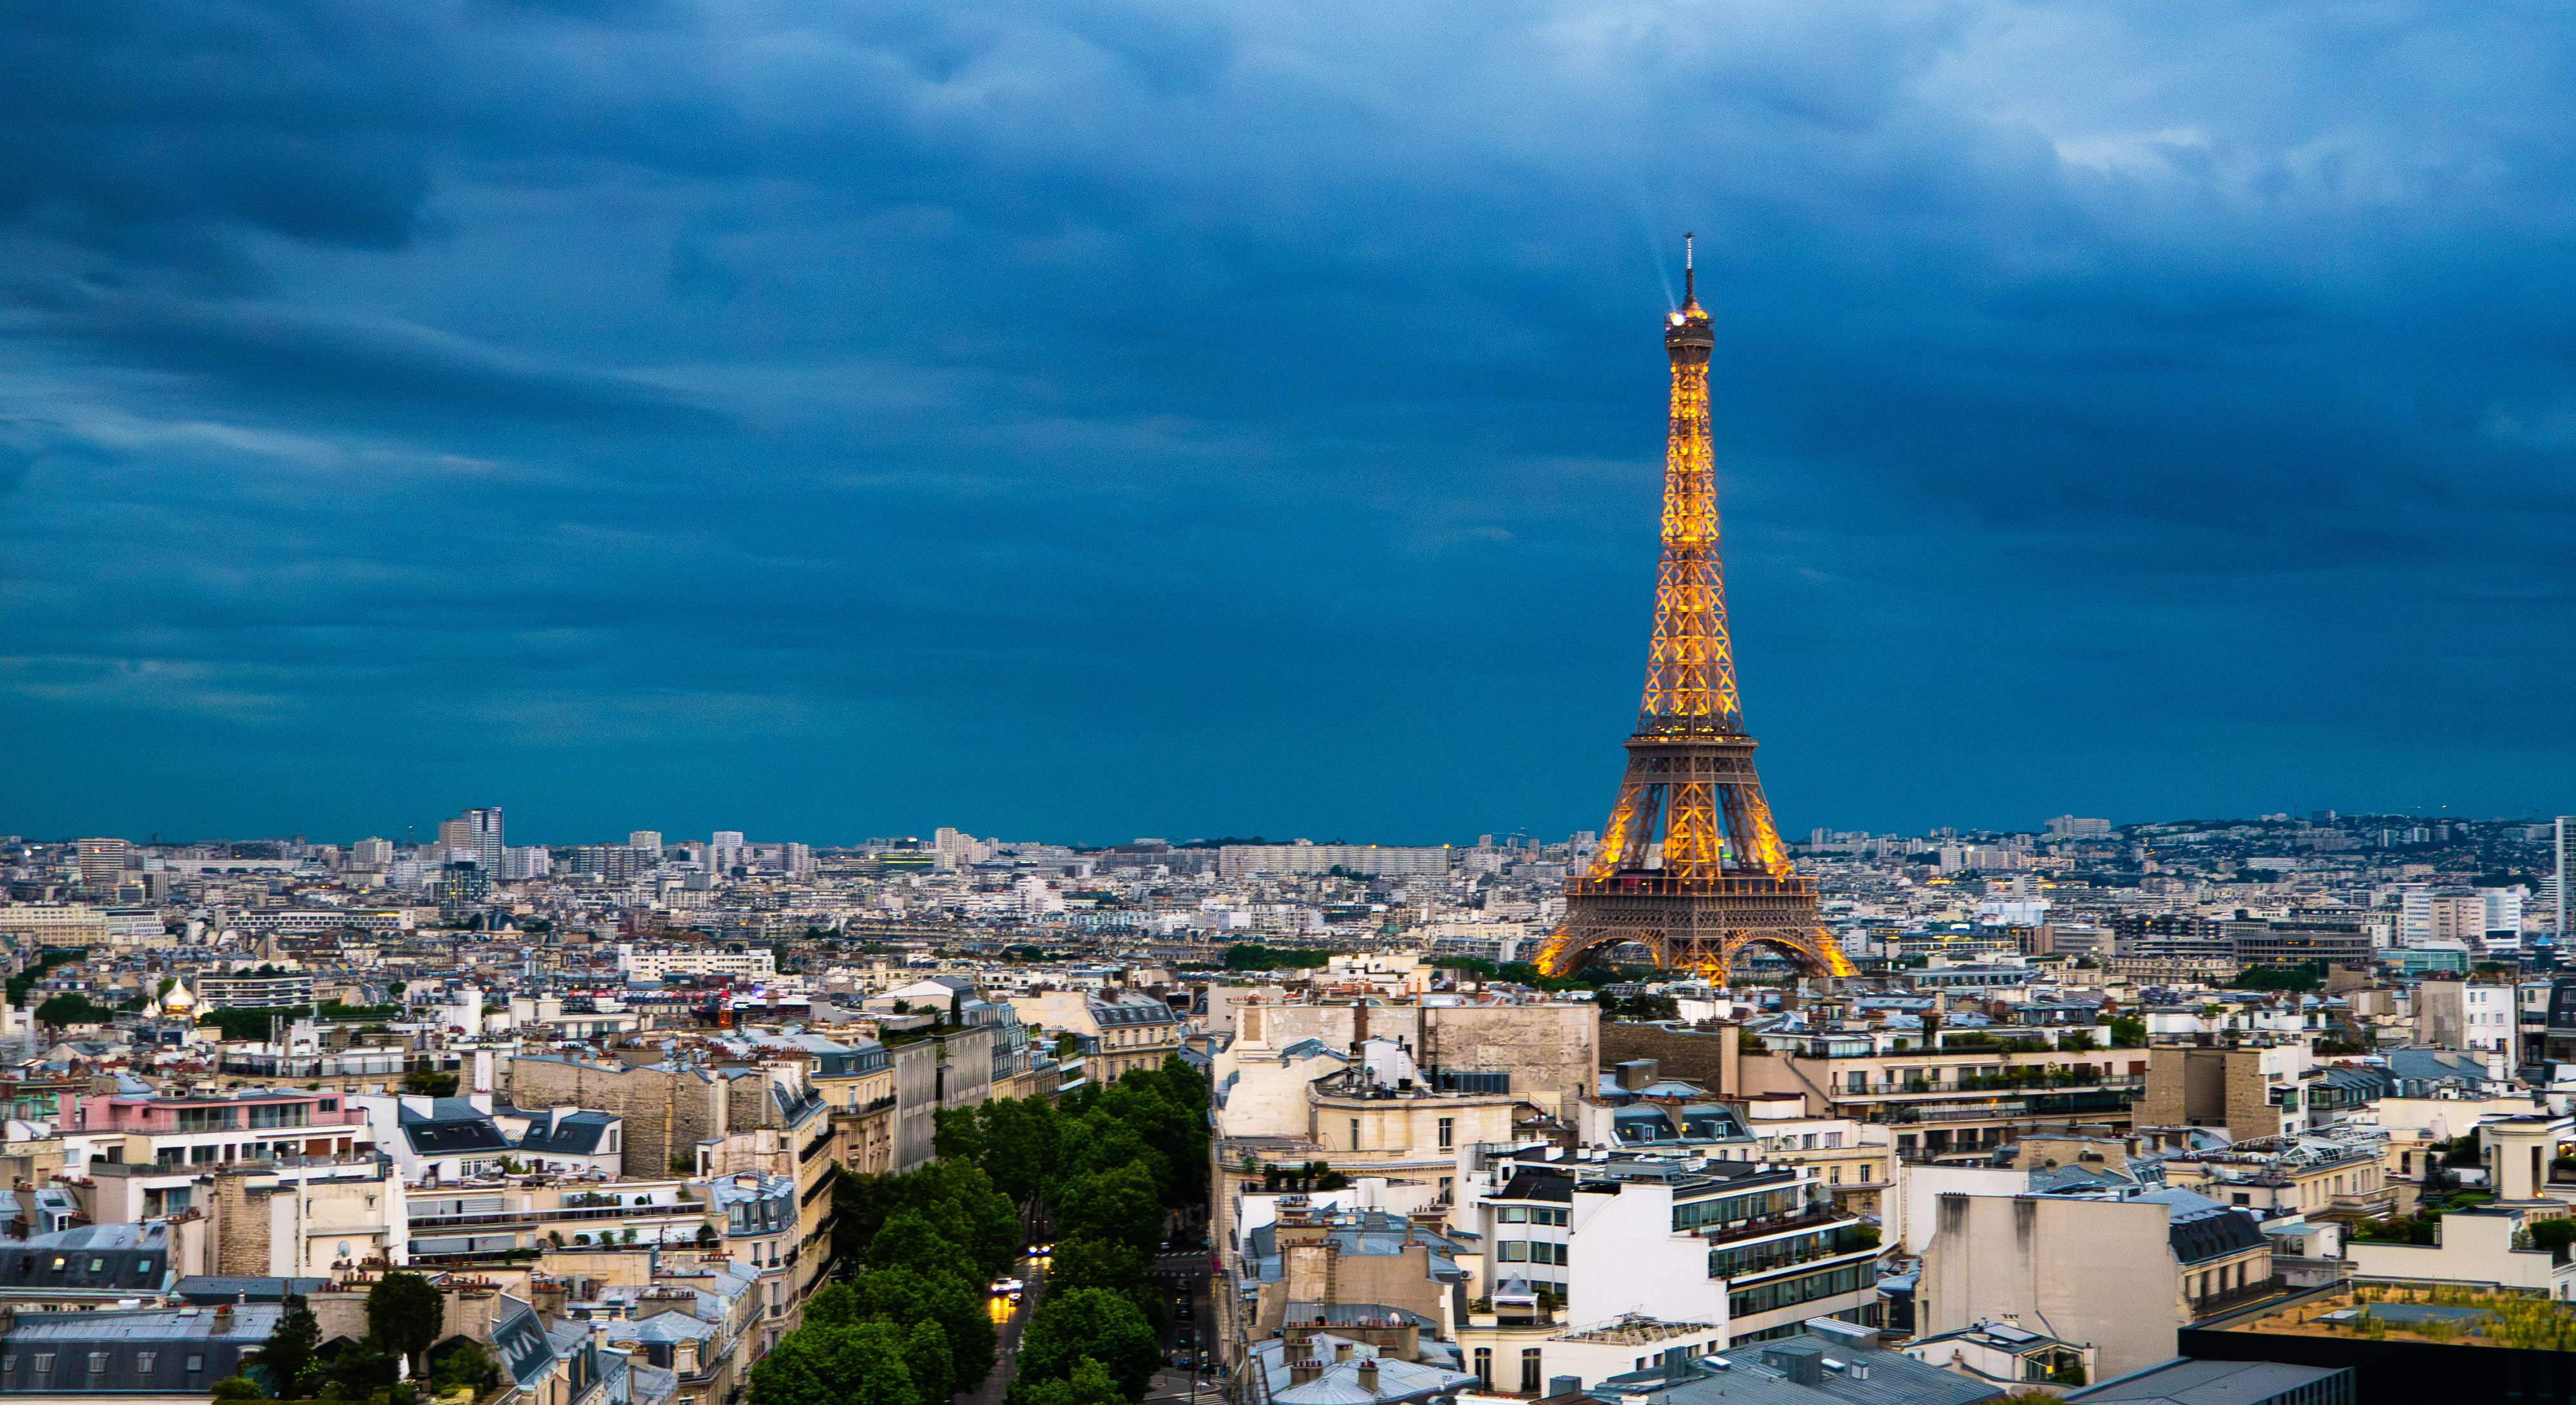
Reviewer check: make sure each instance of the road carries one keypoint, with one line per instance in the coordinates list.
(1010, 1319)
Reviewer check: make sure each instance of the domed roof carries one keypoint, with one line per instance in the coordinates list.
(178, 998)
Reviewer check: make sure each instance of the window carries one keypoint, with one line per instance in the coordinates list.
(196, 1363)
(59, 1262)
(1515, 1214)
(98, 1363)
(1355, 1134)
(1515, 1251)
(1529, 1370)
(143, 1362)
(8, 1362)
(1833, 1175)
(44, 1363)
(1448, 1133)
(1484, 1365)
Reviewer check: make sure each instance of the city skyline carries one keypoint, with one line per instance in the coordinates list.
(617, 412)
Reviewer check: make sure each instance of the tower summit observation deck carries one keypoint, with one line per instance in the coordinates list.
(1690, 865)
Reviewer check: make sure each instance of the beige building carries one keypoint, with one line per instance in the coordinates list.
(2089, 1271)
(2241, 1089)
(1550, 1049)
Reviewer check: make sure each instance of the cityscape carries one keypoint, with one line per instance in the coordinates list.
(1679, 1110)
(440, 442)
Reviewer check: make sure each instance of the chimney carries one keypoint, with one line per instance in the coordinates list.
(1303, 1372)
(1368, 1375)
(1564, 1385)
(1638, 1073)
(1341, 1352)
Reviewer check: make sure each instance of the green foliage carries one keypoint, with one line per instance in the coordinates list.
(436, 1085)
(1251, 956)
(72, 1007)
(860, 1363)
(1525, 973)
(2554, 1236)
(406, 1316)
(906, 1298)
(464, 1364)
(47, 960)
(288, 1352)
(1097, 1323)
(926, 1358)
(1639, 1008)
(1116, 1206)
(362, 1368)
(237, 1388)
(1089, 1384)
(2305, 976)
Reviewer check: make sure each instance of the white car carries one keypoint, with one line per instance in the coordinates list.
(1009, 1286)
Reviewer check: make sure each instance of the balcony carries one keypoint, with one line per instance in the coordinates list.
(1761, 1226)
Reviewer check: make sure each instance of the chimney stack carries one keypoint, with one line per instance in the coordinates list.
(1368, 1375)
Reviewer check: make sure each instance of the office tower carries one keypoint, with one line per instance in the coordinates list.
(485, 828)
(101, 860)
(1691, 865)
(373, 854)
(727, 850)
(531, 861)
(455, 841)
(796, 860)
(2562, 845)
(648, 840)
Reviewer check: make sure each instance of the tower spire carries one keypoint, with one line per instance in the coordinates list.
(1691, 863)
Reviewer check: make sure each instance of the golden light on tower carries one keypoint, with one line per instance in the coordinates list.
(1690, 862)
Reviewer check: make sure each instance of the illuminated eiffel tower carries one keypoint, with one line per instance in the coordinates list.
(1690, 864)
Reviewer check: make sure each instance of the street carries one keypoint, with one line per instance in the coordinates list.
(1009, 1320)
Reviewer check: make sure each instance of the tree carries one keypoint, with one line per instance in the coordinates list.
(927, 1357)
(1089, 1322)
(430, 1085)
(905, 1297)
(467, 1363)
(362, 1368)
(406, 1316)
(1118, 1206)
(909, 1241)
(72, 1007)
(836, 1364)
(288, 1352)
(1090, 1384)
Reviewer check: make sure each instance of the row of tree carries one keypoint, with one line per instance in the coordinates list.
(1108, 1166)
(908, 1327)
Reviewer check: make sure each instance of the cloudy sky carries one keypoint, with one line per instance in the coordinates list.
(1093, 418)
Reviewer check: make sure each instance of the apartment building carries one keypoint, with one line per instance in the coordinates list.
(204, 1130)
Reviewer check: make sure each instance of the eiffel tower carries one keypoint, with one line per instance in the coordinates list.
(1690, 864)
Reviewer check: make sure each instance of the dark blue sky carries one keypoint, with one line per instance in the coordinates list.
(1115, 417)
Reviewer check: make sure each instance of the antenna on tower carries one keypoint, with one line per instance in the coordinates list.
(1687, 275)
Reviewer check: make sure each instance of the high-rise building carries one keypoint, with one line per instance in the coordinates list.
(2563, 846)
(726, 851)
(485, 827)
(455, 841)
(374, 854)
(796, 860)
(649, 840)
(2073, 827)
(101, 860)
(530, 861)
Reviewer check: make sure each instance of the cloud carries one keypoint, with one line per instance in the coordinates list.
(1251, 415)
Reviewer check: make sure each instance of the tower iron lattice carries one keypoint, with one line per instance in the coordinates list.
(1690, 864)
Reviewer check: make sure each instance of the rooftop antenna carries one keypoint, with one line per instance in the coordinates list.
(1687, 274)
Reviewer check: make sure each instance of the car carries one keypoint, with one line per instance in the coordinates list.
(1010, 1286)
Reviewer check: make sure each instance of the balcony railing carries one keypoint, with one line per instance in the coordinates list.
(1761, 1225)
